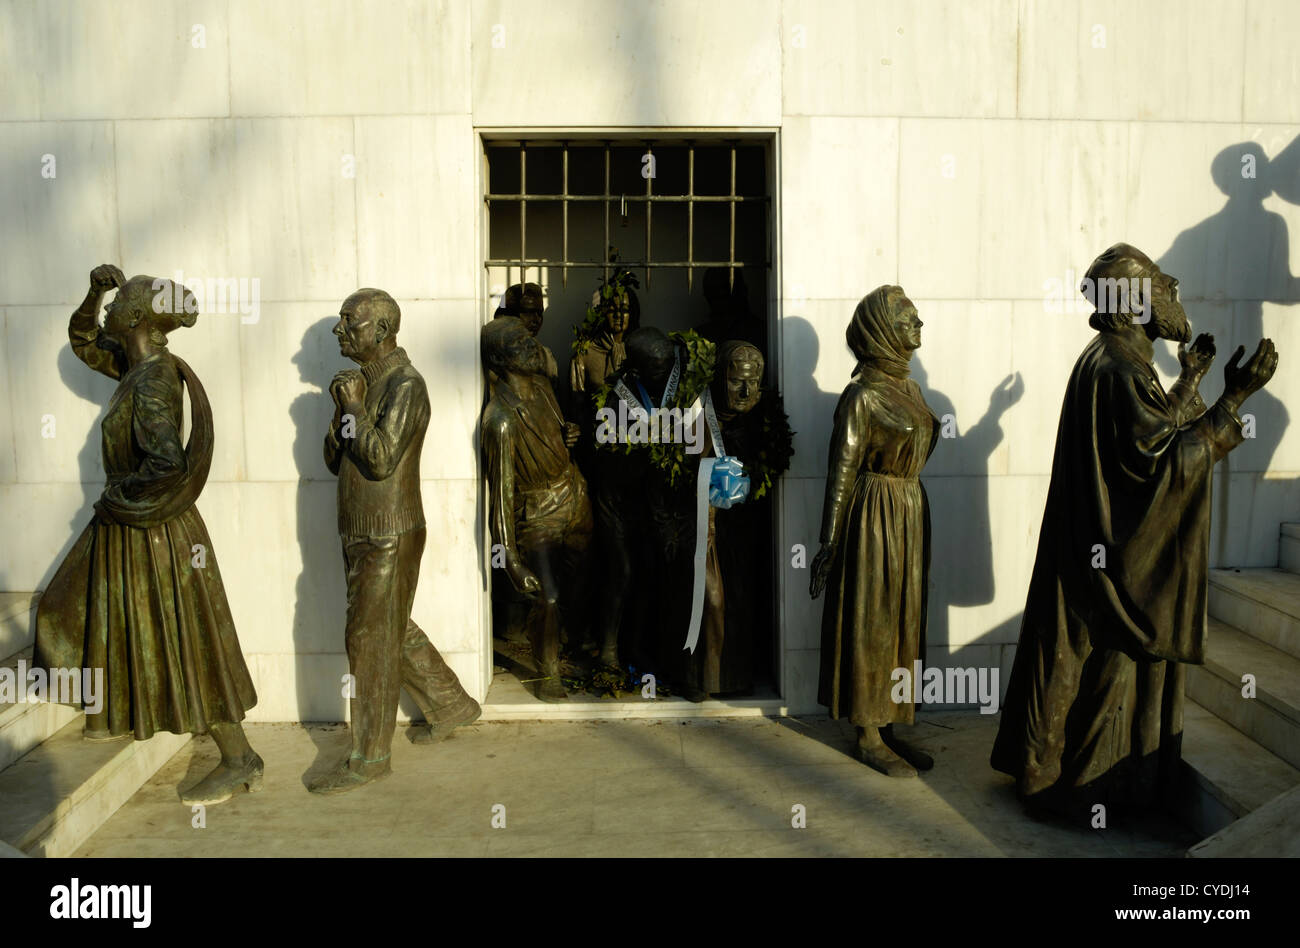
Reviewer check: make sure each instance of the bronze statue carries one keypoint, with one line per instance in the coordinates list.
(1117, 603)
(599, 355)
(373, 444)
(524, 300)
(539, 515)
(510, 610)
(737, 588)
(644, 498)
(140, 595)
(874, 559)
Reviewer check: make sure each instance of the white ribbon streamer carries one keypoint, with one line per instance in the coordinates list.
(701, 551)
(715, 429)
(634, 407)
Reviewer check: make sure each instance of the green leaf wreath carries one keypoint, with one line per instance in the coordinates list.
(670, 459)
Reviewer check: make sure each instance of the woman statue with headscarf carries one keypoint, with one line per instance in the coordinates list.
(139, 598)
(875, 535)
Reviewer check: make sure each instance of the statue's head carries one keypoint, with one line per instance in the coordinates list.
(741, 365)
(885, 330)
(524, 301)
(1125, 286)
(368, 323)
(507, 346)
(650, 355)
(147, 304)
(621, 310)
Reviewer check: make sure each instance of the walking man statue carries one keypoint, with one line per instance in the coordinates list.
(373, 445)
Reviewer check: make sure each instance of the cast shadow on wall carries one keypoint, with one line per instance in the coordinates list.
(89, 385)
(1228, 266)
(320, 601)
(961, 560)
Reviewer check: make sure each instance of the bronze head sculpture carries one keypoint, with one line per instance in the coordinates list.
(526, 302)
(740, 366)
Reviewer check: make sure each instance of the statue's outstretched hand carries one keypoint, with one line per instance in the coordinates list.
(821, 571)
(1241, 382)
(1196, 358)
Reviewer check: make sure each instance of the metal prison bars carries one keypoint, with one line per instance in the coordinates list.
(650, 199)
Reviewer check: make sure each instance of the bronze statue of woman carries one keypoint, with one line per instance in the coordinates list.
(875, 537)
(139, 595)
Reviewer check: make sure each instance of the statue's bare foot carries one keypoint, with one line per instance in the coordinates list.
(909, 752)
(441, 730)
(351, 774)
(224, 782)
(609, 656)
(873, 752)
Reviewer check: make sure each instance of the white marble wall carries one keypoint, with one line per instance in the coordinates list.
(971, 150)
(315, 148)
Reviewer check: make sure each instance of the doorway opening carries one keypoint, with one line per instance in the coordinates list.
(564, 211)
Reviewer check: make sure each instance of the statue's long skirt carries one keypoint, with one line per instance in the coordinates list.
(147, 606)
(875, 614)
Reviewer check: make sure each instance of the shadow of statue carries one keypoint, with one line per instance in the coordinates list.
(810, 407)
(961, 567)
(320, 601)
(1239, 259)
(89, 385)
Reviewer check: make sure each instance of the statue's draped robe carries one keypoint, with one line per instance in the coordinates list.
(875, 615)
(142, 598)
(1093, 711)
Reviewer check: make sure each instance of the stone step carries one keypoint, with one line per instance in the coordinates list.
(1271, 718)
(1227, 774)
(1271, 830)
(24, 725)
(1263, 603)
(17, 621)
(1288, 554)
(53, 799)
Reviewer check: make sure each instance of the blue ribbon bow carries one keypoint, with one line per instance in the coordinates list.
(729, 484)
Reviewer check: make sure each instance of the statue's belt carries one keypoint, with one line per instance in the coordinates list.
(543, 499)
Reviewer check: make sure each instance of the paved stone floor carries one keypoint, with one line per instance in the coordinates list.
(618, 788)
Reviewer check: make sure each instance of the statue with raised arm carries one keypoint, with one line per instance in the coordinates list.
(139, 598)
(381, 412)
(1117, 603)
